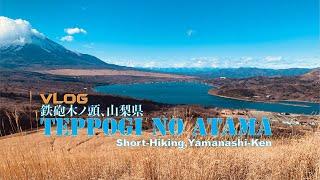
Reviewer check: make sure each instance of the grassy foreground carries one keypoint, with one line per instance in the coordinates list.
(34, 156)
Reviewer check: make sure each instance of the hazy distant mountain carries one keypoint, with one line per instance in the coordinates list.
(42, 52)
(232, 72)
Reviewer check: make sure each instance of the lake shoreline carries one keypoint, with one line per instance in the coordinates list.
(271, 102)
(198, 93)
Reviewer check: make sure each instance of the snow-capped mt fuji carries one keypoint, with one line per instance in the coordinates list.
(22, 46)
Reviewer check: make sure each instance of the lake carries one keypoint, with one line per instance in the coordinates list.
(194, 93)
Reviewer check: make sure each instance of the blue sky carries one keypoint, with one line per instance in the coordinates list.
(176, 33)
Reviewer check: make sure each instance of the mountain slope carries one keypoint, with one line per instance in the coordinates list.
(45, 53)
(313, 75)
(305, 87)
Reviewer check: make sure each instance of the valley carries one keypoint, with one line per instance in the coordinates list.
(41, 65)
(159, 90)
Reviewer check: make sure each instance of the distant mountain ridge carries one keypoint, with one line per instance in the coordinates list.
(243, 72)
(45, 53)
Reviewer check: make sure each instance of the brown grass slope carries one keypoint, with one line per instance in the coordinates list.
(37, 157)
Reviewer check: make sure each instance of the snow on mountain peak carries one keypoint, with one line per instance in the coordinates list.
(17, 32)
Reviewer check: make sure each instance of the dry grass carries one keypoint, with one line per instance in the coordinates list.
(34, 156)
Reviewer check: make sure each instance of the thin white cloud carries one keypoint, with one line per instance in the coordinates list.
(201, 62)
(273, 58)
(16, 32)
(75, 30)
(67, 38)
(246, 59)
(71, 32)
